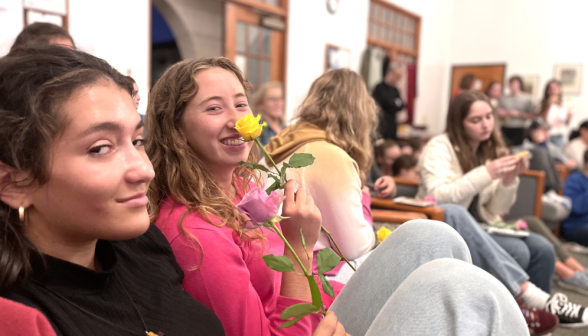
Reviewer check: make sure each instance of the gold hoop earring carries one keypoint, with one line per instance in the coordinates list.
(21, 214)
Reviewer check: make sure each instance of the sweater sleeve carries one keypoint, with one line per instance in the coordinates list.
(334, 183)
(502, 197)
(17, 319)
(439, 179)
(576, 190)
(222, 282)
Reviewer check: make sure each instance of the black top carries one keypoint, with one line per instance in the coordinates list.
(388, 98)
(81, 302)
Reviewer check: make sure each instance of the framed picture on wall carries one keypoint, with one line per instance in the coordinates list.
(570, 76)
(337, 58)
(484, 73)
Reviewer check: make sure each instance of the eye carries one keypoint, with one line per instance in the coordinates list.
(213, 108)
(139, 143)
(242, 105)
(101, 150)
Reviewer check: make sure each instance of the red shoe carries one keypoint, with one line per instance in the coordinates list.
(539, 321)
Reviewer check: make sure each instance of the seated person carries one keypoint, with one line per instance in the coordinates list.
(577, 145)
(462, 166)
(406, 166)
(20, 320)
(386, 151)
(575, 227)
(544, 156)
(73, 181)
(198, 181)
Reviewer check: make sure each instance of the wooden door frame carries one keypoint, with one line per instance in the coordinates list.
(282, 12)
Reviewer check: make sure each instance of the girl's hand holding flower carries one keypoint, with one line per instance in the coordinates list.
(301, 213)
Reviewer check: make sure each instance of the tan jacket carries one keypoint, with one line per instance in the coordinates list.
(442, 176)
(334, 184)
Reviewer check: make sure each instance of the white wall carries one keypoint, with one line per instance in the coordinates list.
(117, 31)
(310, 29)
(529, 35)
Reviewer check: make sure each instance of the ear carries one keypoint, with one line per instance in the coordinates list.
(11, 192)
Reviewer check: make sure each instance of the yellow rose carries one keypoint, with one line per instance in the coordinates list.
(382, 233)
(249, 127)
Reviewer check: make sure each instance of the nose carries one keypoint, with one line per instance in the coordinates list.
(138, 167)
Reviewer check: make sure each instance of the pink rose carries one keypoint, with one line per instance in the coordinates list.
(259, 206)
(522, 225)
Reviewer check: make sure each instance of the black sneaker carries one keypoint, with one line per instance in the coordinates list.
(569, 314)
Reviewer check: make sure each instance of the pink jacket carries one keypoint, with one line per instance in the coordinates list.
(231, 278)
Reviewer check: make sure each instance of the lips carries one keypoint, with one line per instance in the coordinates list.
(135, 200)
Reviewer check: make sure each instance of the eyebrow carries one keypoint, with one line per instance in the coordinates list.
(107, 126)
(238, 95)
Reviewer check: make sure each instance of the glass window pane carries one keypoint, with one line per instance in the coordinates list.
(391, 35)
(400, 22)
(382, 13)
(273, 2)
(241, 36)
(241, 62)
(253, 71)
(254, 39)
(265, 71)
(382, 33)
(394, 18)
(376, 10)
(267, 41)
(376, 30)
(372, 29)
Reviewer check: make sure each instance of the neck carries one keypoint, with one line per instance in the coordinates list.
(474, 145)
(70, 248)
(516, 93)
(224, 180)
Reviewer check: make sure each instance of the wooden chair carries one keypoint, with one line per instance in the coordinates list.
(406, 188)
(564, 172)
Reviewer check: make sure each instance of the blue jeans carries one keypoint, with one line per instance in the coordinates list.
(579, 235)
(485, 252)
(535, 254)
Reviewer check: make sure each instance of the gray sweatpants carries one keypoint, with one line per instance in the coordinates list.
(420, 281)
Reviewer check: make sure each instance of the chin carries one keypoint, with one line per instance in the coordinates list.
(131, 227)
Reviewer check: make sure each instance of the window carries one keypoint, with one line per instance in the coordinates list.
(391, 27)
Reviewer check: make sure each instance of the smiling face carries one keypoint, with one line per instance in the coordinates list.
(479, 123)
(209, 119)
(99, 173)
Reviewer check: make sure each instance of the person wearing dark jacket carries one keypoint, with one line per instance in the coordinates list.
(388, 98)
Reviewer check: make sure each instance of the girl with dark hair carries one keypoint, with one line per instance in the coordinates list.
(75, 238)
(406, 166)
(465, 166)
(578, 144)
(557, 114)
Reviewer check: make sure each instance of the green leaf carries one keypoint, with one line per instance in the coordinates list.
(290, 323)
(326, 260)
(285, 164)
(327, 287)
(298, 310)
(317, 300)
(278, 263)
(254, 166)
(299, 160)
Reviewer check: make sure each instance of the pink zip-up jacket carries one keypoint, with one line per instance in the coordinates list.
(228, 275)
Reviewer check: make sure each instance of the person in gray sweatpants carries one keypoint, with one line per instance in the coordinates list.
(420, 281)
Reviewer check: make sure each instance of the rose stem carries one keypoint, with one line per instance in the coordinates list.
(291, 249)
(337, 247)
(283, 178)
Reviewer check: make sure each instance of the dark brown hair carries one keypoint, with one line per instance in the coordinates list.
(381, 145)
(403, 162)
(458, 112)
(466, 82)
(34, 83)
(40, 34)
(518, 79)
(545, 101)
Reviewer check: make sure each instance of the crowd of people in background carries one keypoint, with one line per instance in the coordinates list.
(113, 222)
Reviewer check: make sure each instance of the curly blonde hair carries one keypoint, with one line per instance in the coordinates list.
(179, 172)
(339, 103)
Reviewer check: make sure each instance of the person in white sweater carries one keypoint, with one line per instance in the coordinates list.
(578, 144)
(465, 166)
